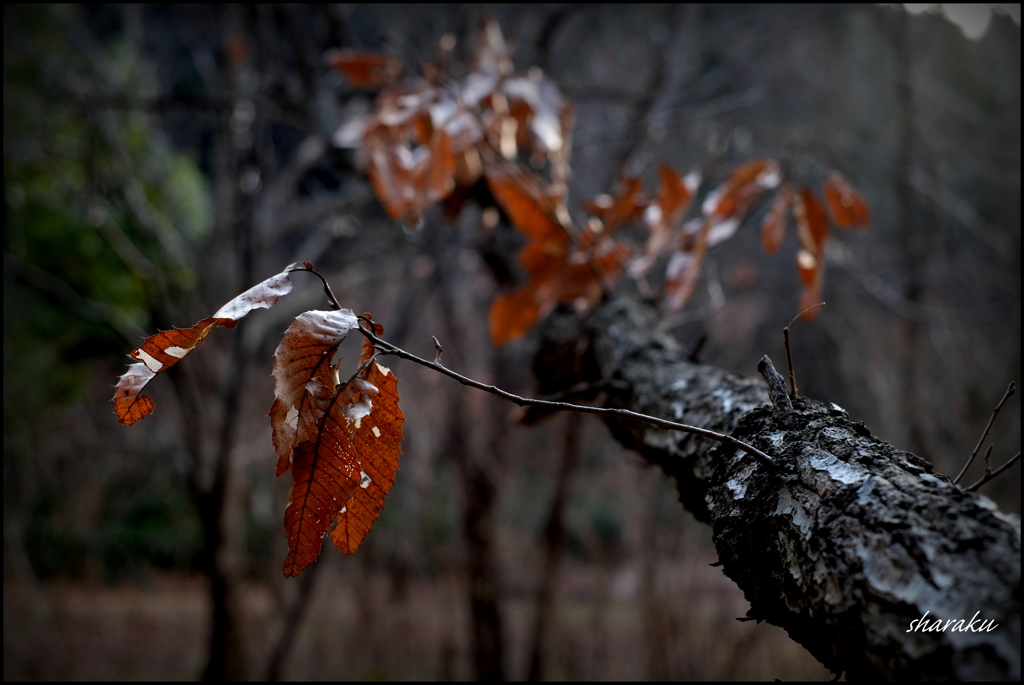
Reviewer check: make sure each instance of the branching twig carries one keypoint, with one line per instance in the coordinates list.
(989, 476)
(995, 412)
(388, 348)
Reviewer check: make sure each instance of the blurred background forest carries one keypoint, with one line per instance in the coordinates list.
(158, 160)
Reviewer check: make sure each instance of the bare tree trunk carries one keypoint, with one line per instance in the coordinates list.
(653, 612)
(479, 506)
(226, 658)
(554, 542)
(844, 541)
(913, 243)
(293, 615)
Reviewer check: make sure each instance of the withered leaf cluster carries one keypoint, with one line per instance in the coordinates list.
(431, 139)
(340, 440)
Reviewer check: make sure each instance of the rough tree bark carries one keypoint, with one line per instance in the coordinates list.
(843, 541)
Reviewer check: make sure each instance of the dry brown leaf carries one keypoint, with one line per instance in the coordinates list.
(305, 379)
(662, 218)
(808, 298)
(723, 209)
(628, 205)
(535, 216)
(388, 175)
(512, 314)
(812, 222)
(577, 278)
(539, 108)
(370, 70)
(439, 178)
(847, 206)
(377, 440)
(408, 177)
(340, 479)
(680, 276)
(734, 197)
(165, 349)
(807, 267)
(676, 193)
(773, 230)
(582, 279)
(129, 405)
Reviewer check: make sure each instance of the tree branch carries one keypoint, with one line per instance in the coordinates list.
(1010, 389)
(989, 476)
(388, 348)
(845, 543)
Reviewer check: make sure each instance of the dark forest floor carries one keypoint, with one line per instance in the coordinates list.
(155, 630)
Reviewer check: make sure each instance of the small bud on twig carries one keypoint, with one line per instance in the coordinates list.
(437, 350)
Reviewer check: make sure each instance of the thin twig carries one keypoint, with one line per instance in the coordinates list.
(813, 306)
(989, 476)
(789, 353)
(554, 547)
(995, 412)
(388, 348)
(292, 619)
(789, 361)
(694, 355)
(327, 289)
